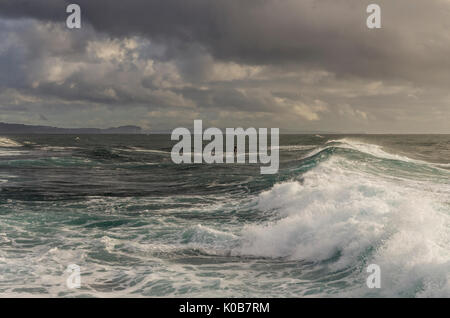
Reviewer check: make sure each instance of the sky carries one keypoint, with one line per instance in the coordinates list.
(297, 65)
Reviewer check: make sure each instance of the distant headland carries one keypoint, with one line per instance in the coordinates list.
(18, 129)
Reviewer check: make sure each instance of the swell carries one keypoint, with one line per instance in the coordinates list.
(372, 150)
(373, 159)
(357, 205)
(341, 207)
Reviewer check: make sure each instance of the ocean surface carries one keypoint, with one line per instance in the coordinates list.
(140, 226)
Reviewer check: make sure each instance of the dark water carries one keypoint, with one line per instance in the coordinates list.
(139, 225)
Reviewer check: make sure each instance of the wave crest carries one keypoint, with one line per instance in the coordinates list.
(9, 143)
(341, 218)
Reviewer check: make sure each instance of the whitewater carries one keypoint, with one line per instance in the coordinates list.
(140, 226)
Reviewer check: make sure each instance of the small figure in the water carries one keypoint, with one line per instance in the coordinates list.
(77, 138)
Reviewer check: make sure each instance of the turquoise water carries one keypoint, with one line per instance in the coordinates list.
(139, 225)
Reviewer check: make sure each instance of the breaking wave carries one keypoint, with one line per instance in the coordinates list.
(8, 143)
(341, 217)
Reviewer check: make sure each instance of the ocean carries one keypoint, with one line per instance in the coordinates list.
(138, 225)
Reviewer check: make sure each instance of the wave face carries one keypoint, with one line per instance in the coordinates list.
(139, 225)
(346, 218)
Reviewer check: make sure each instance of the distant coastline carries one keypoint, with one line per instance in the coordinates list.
(20, 129)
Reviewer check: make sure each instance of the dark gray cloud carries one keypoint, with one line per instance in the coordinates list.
(328, 33)
(290, 63)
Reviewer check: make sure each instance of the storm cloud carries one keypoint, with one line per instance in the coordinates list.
(298, 65)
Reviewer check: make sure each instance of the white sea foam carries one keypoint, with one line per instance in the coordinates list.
(295, 147)
(370, 149)
(57, 148)
(10, 153)
(354, 218)
(206, 236)
(143, 150)
(8, 143)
